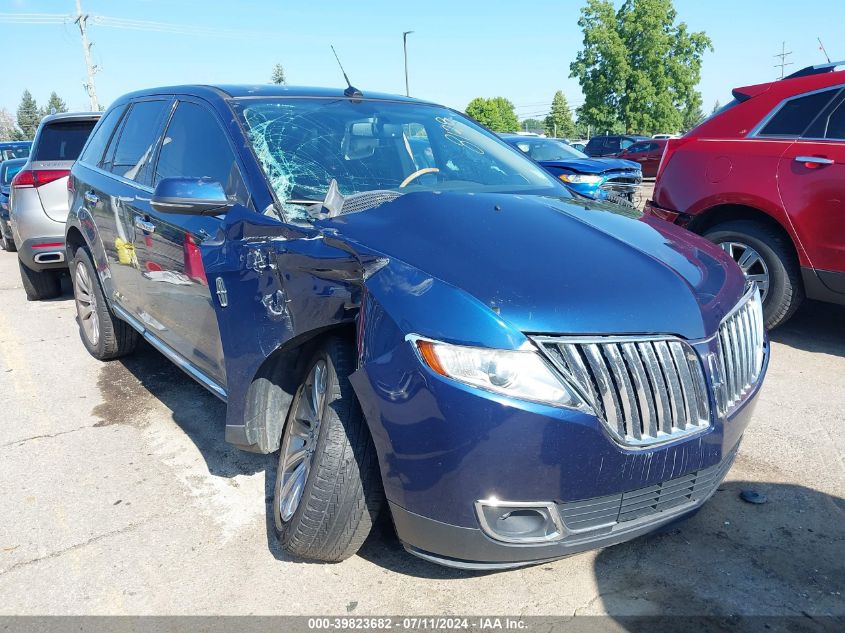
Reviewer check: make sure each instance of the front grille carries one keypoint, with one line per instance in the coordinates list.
(605, 512)
(741, 351)
(622, 181)
(645, 390)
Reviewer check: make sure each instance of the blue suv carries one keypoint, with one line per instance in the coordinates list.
(417, 317)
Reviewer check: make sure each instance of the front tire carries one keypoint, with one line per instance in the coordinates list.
(104, 335)
(328, 488)
(765, 256)
(40, 285)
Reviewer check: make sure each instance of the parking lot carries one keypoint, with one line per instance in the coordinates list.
(120, 497)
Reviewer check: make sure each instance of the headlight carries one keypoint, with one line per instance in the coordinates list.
(519, 374)
(579, 179)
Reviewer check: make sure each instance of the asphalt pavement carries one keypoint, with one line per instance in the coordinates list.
(119, 496)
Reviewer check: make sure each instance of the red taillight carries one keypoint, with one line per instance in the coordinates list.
(23, 179)
(70, 184)
(44, 176)
(30, 178)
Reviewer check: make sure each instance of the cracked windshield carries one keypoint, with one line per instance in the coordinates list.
(304, 144)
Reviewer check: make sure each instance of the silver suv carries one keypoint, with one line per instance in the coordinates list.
(38, 203)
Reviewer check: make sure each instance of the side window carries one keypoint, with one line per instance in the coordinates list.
(796, 114)
(625, 143)
(195, 146)
(636, 148)
(136, 141)
(831, 126)
(93, 152)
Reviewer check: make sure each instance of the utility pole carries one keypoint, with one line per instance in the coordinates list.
(81, 22)
(783, 55)
(405, 35)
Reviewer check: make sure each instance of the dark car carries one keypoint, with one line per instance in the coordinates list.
(447, 335)
(646, 154)
(765, 179)
(591, 177)
(14, 149)
(8, 169)
(611, 145)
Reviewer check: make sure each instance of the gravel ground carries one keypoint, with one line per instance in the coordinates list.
(119, 496)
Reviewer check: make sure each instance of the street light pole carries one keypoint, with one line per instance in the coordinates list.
(405, 35)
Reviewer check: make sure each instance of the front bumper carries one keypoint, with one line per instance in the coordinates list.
(589, 524)
(443, 447)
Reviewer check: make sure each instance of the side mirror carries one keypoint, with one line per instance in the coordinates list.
(190, 196)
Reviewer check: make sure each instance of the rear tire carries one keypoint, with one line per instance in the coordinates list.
(105, 336)
(40, 285)
(342, 494)
(786, 290)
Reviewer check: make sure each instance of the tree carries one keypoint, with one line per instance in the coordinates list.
(716, 107)
(8, 128)
(28, 116)
(638, 69)
(533, 125)
(54, 103)
(559, 122)
(278, 76)
(497, 113)
(693, 115)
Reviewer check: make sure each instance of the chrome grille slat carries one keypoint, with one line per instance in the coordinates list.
(645, 390)
(625, 388)
(676, 399)
(655, 376)
(607, 391)
(741, 340)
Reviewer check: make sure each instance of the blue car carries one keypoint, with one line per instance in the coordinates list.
(14, 149)
(416, 318)
(8, 169)
(597, 178)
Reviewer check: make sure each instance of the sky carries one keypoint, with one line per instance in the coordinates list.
(458, 51)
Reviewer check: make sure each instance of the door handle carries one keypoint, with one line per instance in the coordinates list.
(144, 225)
(91, 197)
(817, 161)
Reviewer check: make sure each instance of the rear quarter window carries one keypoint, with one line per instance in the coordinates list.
(62, 140)
(795, 115)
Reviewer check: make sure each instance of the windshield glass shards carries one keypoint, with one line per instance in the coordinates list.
(304, 144)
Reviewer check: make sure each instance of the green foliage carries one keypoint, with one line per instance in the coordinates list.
(28, 116)
(638, 69)
(496, 113)
(716, 107)
(278, 76)
(533, 125)
(559, 122)
(54, 103)
(693, 115)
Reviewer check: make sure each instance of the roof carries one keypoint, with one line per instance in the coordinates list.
(236, 91)
(14, 143)
(59, 116)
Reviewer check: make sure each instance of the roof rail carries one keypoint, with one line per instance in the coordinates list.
(818, 69)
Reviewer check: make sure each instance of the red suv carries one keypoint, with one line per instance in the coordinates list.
(764, 178)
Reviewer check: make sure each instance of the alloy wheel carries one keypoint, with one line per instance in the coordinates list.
(86, 304)
(751, 262)
(300, 440)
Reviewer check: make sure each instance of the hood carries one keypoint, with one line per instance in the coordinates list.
(555, 265)
(591, 165)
